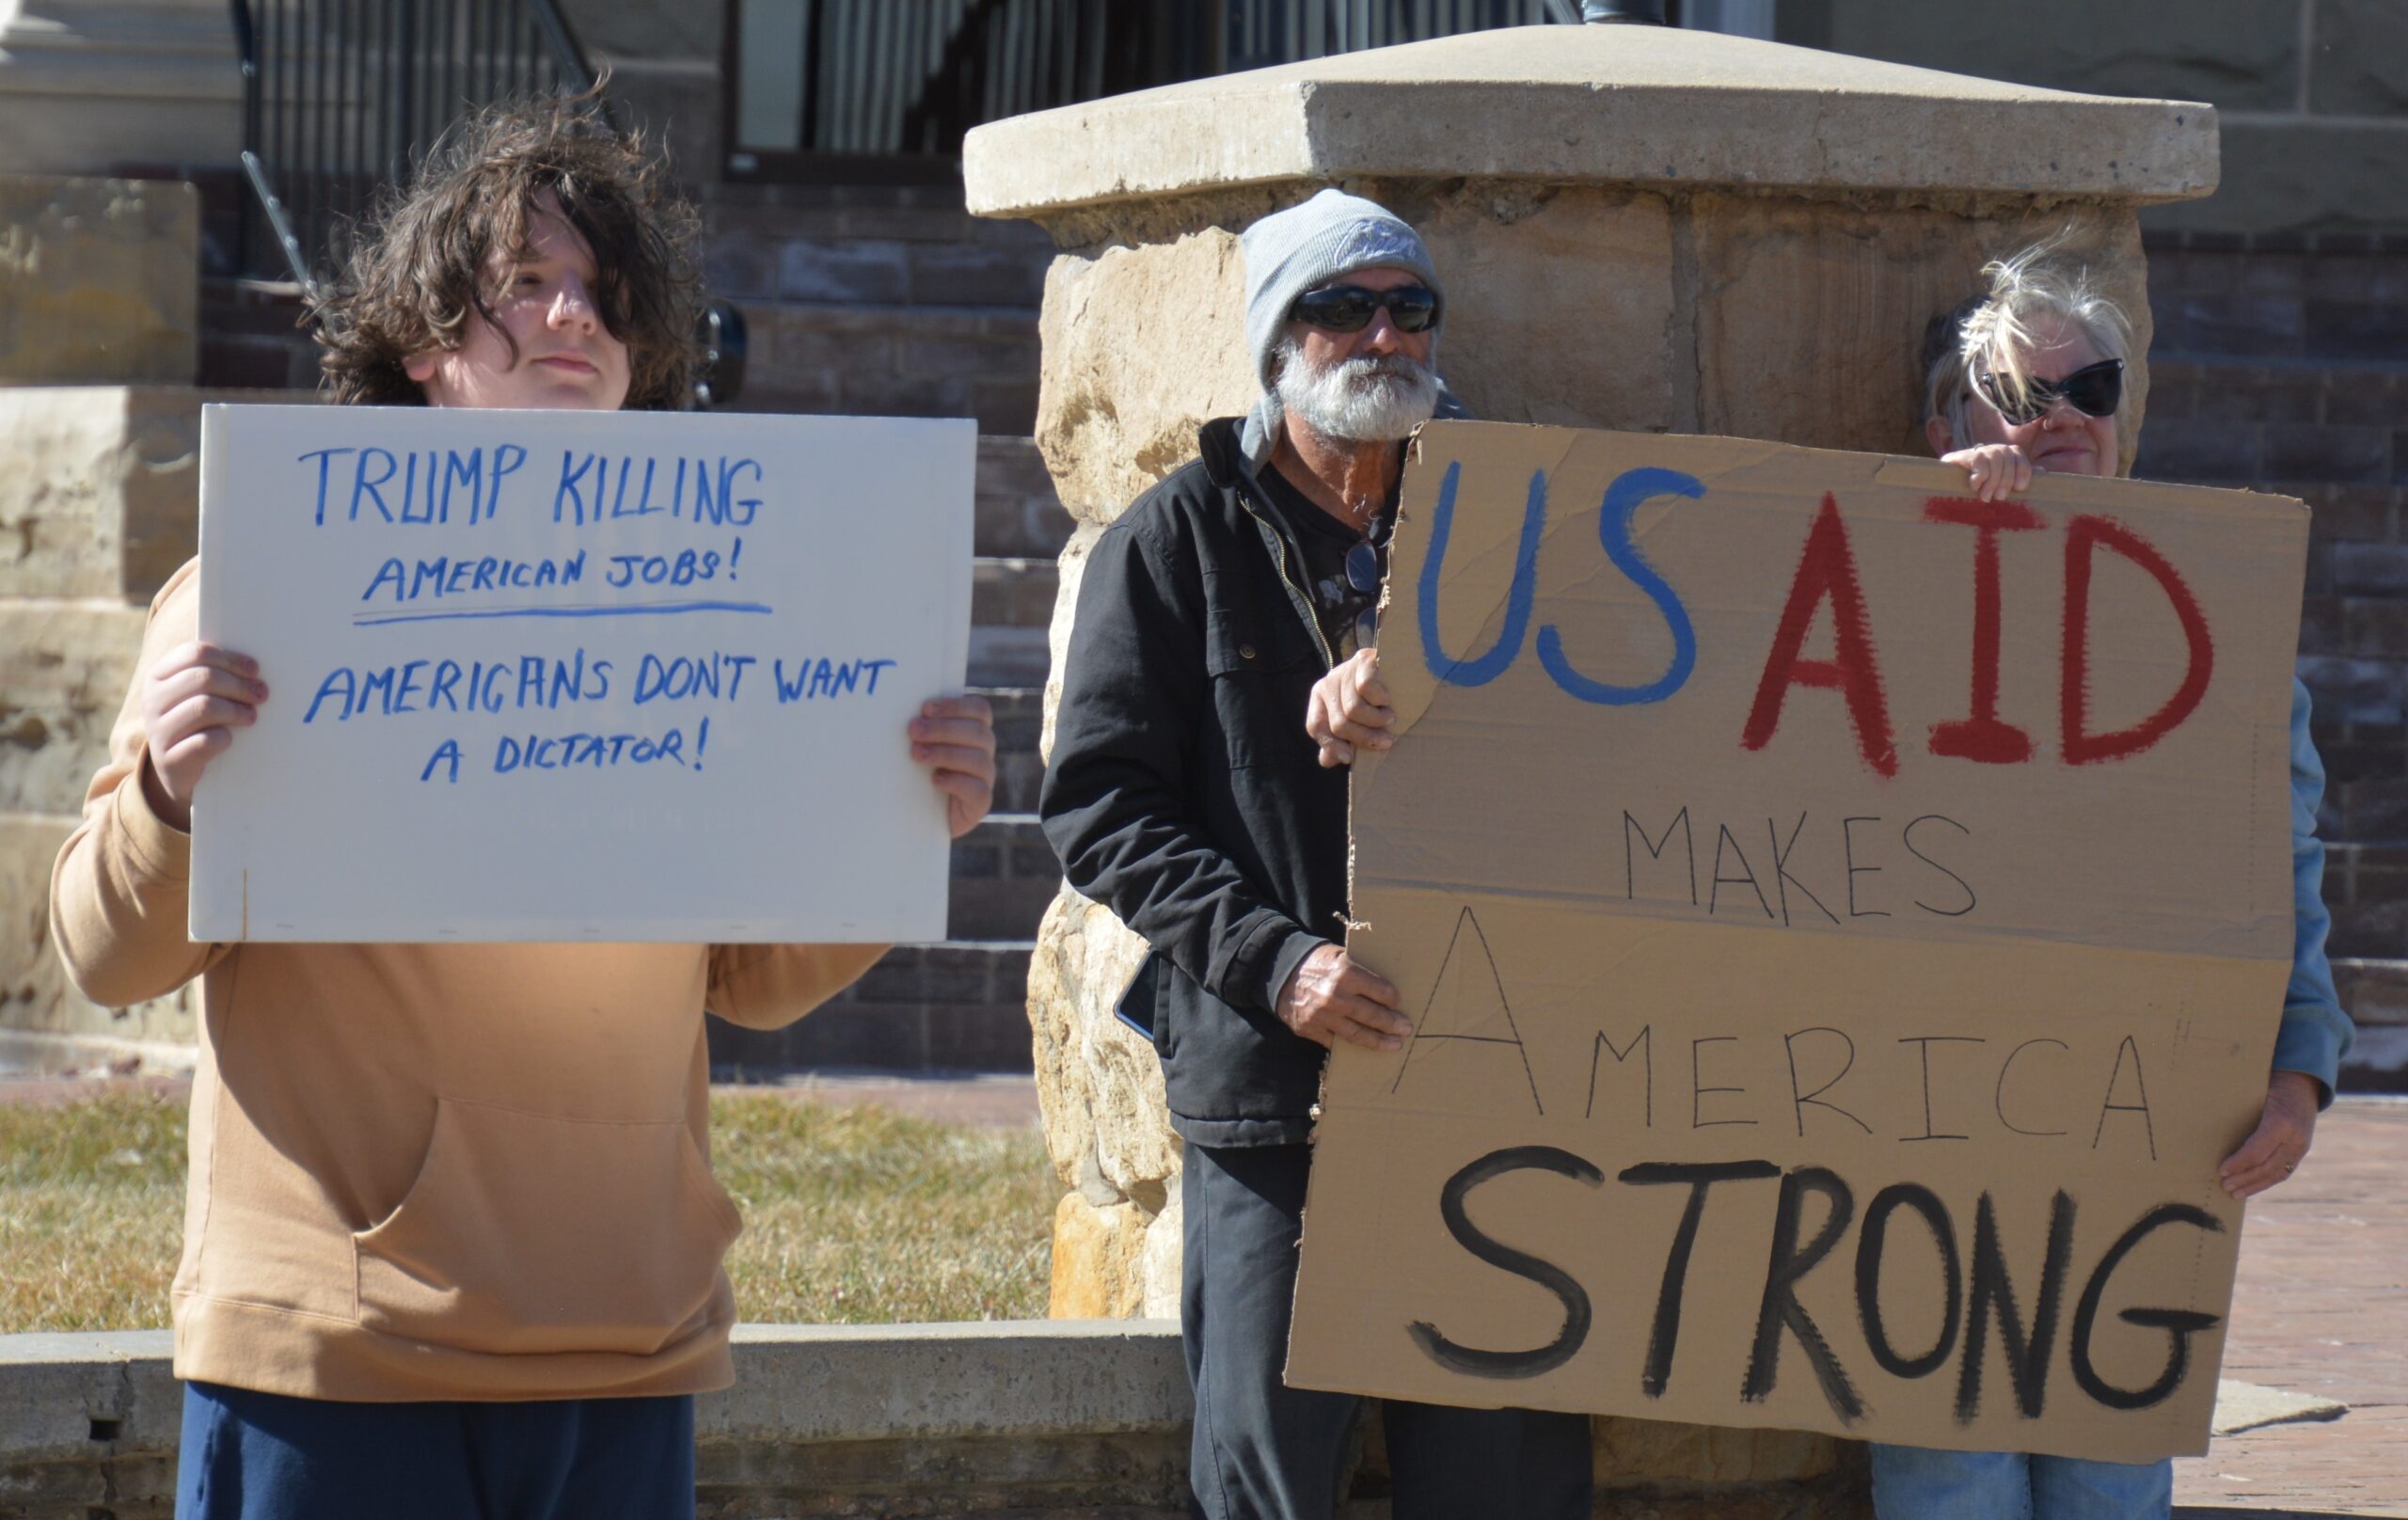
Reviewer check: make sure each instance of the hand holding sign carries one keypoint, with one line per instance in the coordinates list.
(954, 738)
(1994, 469)
(2285, 1131)
(192, 702)
(1329, 998)
(1348, 707)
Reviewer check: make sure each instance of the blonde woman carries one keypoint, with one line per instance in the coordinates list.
(2026, 379)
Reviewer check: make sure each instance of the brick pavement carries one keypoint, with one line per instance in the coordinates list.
(2321, 1307)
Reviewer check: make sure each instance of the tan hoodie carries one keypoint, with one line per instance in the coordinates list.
(429, 1171)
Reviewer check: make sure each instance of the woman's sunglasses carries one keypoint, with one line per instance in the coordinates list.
(1348, 307)
(2094, 390)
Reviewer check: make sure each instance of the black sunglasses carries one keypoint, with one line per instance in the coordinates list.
(1361, 595)
(2094, 390)
(1348, 307)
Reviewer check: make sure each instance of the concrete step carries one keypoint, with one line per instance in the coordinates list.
(251, 336)
(1008, 657)
(1004, 874)
(960, 1006)
(894, 361)
(923, 255)
(1012, 593)
(1020, 514)
(2375, 992)
(1019, 716)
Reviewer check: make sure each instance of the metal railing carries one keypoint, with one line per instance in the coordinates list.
(341, 96)
(824, 88)
(344, 97)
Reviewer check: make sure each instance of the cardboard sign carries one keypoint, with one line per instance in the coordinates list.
(554, 676)
(1844, 925)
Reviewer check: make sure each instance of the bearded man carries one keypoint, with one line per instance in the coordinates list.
(1187, 795)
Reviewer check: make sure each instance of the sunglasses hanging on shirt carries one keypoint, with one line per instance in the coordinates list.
(1363, 579)
(2094, 390)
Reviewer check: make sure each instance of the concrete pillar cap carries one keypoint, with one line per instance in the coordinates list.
(1597, 104)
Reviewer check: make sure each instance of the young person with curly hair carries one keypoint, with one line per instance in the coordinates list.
(451, 1243)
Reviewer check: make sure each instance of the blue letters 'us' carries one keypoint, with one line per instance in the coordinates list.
(1488, 667)
(1623, 497)
(1628, 492)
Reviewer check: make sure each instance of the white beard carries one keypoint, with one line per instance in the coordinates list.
(1368, 399)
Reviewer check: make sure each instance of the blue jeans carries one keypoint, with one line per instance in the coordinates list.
(1912, 1482)
(265, 1456)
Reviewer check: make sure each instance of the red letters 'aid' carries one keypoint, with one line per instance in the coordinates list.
(1827, 571)
(2083, 747)
(1983, 737)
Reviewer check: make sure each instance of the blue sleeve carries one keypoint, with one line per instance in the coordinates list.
(2315, 1033)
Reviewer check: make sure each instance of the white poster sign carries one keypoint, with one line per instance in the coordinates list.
(558, 676)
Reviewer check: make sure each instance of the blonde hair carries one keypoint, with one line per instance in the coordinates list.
(1991, 333)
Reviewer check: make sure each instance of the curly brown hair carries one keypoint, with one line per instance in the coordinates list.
(429, 254)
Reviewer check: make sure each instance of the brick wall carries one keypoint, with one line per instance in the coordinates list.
(2281, 364)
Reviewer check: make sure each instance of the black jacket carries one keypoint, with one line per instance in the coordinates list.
(1184, 796)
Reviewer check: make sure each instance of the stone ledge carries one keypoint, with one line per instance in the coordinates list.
(1014, 1417)
(794, 1383)
(1626, 105)
(1019, 1378)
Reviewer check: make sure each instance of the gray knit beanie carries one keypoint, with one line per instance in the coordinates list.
(1289, 252)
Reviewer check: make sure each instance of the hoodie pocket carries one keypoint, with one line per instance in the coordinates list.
(527, 1234)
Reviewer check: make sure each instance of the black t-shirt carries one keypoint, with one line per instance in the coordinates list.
(1322, 541)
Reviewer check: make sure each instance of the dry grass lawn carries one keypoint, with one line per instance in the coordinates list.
(852, 1216)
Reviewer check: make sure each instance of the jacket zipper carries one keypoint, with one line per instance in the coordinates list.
(1296, 598)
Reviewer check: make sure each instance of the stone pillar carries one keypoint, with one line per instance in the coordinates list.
(88, 86)
(1639, 228)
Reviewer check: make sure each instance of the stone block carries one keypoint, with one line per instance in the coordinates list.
(1535, 276)
(101, 492)
(36, 998)
(1098, 1083)
(1097, 1256)
(1808, 313)
(1654, 106)
(65, 667)
(100, 281)
(1142, 345)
